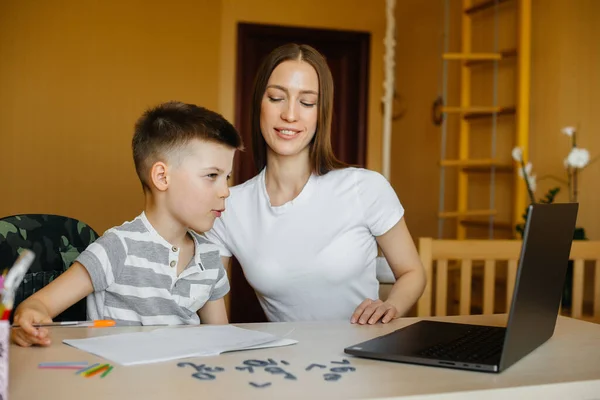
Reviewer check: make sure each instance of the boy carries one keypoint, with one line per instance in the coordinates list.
(156, 269)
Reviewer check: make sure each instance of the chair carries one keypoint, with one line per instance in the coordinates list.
(585, 257)
(56, 241)
(465, 256)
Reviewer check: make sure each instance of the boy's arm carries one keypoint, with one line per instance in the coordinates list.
(213, 312)
(45, 304)
(71, 286)
(226, 264)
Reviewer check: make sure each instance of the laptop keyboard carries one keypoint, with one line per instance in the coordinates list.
(476, 345)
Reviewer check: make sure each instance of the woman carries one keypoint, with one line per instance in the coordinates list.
(306, 228)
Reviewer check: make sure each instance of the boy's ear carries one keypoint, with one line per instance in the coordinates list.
(159, 176)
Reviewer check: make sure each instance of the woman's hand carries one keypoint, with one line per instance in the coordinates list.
(373, 311)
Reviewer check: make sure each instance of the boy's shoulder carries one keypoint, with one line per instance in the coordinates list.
(136, 225)
(207, 253)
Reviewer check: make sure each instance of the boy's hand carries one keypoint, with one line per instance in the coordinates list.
(70, 287)
(27, 335)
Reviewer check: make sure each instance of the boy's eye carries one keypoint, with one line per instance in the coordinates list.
(212, 176)
(228, 177)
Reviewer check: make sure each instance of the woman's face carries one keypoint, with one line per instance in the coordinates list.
(288, 114)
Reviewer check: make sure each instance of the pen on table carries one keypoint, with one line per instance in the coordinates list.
(99, 323)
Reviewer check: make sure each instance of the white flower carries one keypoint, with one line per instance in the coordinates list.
(578, 158)
(517, 154)
(532, 182)
(568, 130)
(528, 168)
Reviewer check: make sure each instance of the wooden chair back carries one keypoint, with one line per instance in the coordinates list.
(442, 257)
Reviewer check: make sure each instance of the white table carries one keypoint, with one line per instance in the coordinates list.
(567, 366)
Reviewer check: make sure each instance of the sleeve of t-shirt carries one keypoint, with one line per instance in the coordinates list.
(378, 201)
(218, 236)
(103, 260)
(221, 287)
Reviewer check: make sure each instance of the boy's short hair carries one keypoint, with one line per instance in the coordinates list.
(168, 127)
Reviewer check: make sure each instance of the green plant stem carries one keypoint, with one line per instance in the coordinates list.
(526, 179)
(575, 185)
(573, 191)
(569, 175)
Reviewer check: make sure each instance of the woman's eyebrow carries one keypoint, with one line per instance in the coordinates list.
(287, 91)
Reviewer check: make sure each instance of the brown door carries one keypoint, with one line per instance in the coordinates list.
(347, 54)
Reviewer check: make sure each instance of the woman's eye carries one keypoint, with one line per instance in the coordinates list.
(275, 99)
(307, 104)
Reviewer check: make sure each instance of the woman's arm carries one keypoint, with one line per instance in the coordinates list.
(402, 256)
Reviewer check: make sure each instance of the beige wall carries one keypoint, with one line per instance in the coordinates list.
(415, 139)
(565, 84)
(565, 88)
(74, 76)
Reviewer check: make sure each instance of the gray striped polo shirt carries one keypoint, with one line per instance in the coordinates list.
(134, 274)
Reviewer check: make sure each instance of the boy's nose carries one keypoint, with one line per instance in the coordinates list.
(225, 192)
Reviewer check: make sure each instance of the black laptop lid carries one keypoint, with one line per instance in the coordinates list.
(540, 278)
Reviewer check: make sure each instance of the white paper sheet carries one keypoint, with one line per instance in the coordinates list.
(175, 343)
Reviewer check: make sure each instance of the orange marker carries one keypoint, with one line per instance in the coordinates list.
(98, 323)
(96, 371)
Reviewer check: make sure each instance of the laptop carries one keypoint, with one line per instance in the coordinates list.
(536, 300)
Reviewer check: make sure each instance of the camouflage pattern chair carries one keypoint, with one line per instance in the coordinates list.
(56, 241)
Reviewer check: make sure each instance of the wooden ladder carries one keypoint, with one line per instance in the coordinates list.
(465, 164)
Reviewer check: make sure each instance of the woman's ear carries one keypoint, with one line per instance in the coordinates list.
(159, 176)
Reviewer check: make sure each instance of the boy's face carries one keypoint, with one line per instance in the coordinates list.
(197, 183)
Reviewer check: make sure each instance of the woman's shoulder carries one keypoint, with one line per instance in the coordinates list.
(249, 186)
(355, 175)
(244, 194)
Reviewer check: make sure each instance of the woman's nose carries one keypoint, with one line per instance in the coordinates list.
(289, 112)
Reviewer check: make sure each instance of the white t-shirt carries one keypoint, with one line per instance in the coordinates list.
(313, 258)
